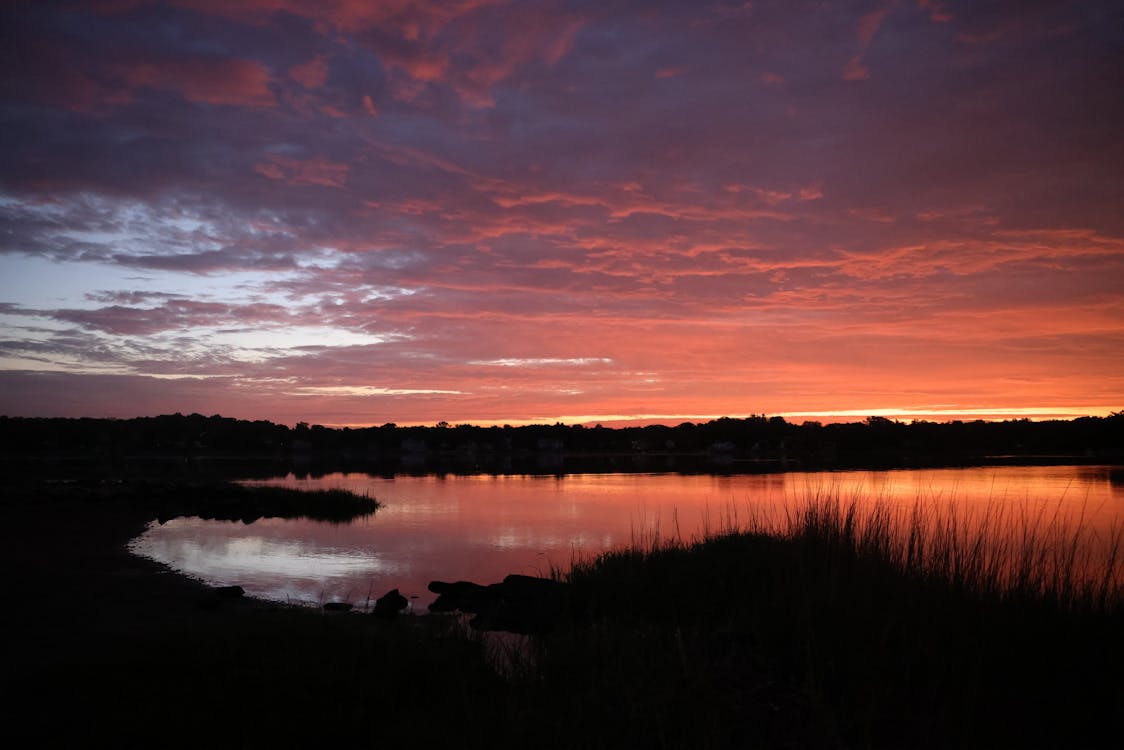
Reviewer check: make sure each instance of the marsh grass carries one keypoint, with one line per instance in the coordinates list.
(847, 624)
(221, 500)
(248, 502)
(1000, 551)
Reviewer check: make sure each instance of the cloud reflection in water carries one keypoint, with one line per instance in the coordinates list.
(223, 552)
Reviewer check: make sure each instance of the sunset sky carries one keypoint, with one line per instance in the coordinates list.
(351, 212)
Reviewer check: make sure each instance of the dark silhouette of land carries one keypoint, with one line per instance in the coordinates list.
(831, 633)
(742, 445)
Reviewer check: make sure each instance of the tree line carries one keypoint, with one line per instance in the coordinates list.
(762, 438)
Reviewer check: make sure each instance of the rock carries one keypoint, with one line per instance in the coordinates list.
(230, 592)
(463, 595)
(215, 598)
(390, 604)
(531, 586)
(520, 604)
(337, 606)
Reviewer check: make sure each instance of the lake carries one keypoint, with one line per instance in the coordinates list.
(483, 527)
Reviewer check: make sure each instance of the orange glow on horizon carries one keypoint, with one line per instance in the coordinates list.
(826, 417)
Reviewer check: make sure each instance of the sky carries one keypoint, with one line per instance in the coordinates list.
(485, 211)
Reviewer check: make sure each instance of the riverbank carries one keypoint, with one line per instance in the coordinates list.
(816, 637)
(76, 587)
(107, 648)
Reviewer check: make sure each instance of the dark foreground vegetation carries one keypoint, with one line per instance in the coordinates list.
(756, 443)
(844, 629)
(831, 628)
(224, 501)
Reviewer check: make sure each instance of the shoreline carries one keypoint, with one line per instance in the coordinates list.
(131, 652)
(81, 592)
(87, 576)
(105, 647)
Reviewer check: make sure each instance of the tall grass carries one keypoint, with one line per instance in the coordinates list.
(841, 623)
(1001, 551)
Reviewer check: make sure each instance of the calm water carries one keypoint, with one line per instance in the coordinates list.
(483, 527)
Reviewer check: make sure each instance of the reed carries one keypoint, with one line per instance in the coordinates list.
(1001, 552)
(845, 623)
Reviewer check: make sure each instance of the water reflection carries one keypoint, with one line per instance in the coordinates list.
(265, 557)
(484, 527)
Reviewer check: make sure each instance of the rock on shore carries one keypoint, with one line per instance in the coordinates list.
(520, 604)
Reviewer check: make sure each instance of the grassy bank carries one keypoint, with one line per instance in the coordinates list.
(832, 627)
(214, 499)
(843, 627)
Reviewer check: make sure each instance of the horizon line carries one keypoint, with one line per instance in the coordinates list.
(826, 416)
(944, 415)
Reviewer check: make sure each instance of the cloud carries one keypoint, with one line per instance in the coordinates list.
(937, 11)
(855, 70)
(544, 362)
(488, 210)
(172, 314)
(368, 390)
(312, 74)
(867, 27)
(217, 81)
(314, 171)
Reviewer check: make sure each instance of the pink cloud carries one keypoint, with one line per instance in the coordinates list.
(811, 192)
(427, 35)
(219, 81)
(937, 11)
(869, 25)
(312, 74)
(314, 171)
(855, 70)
